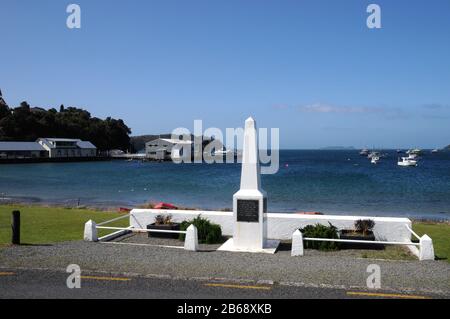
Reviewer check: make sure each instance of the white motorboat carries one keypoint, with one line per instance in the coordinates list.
(415, 151)
(406, 161)
(364, 152)
(375, 159)
(223, 152)
(373, 154)
(435, 151)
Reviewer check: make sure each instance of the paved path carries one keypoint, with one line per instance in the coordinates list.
(315, 270)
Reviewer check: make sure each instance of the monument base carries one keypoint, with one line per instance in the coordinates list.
(270, 247)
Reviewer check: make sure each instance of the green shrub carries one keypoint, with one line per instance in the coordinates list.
(364, 226)
(208, 233)
(320, 231)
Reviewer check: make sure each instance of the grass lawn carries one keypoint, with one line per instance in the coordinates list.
(41, 225)
(440, 233)
(390, 252)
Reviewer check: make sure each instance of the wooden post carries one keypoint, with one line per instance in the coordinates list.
(15, 228)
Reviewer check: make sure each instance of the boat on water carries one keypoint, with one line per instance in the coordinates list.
(223, 152)
(373, 154)
(406, 161)
(309, 213)
(375, 159)
(412, 156)
(416, 151)
(364, 152)
(435, 151)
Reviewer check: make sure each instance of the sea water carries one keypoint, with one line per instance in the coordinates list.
(331, 182)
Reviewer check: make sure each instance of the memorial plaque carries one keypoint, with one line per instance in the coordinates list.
(248, 211)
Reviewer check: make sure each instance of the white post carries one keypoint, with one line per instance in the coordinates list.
(191, 240)
(426, 248)
(297, 244)
(90, 231)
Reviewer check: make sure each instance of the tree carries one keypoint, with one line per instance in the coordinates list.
(4, 110)
(25, 105)
(25, 125)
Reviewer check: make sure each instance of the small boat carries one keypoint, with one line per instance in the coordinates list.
(373, 154)
(309, 213)
(416, 151)
(364, 152)
(165, 206)
(375, 159)
(406, 161)
(435, 151)
(412, 156)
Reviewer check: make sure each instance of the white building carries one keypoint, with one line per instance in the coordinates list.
(162, 148)
(64, 147)
(22, 150)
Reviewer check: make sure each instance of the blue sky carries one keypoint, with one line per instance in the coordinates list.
(311, 68)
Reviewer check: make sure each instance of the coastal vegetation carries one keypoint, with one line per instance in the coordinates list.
(208, 233)
(26, 123)
(321, 231)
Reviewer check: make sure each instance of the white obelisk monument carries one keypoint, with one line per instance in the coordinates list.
(250, 202)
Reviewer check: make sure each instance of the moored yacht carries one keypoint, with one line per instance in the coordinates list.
(416, 151)
(406, 161)
(364, 152)
(373, 154)
(223, 152)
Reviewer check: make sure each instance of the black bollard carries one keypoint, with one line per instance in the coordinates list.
(15, 227)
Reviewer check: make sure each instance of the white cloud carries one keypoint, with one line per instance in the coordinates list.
(327, 108)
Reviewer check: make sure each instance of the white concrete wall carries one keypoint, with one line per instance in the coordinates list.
(282, 226)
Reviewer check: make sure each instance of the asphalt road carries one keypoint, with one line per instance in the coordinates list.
(15, 283)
